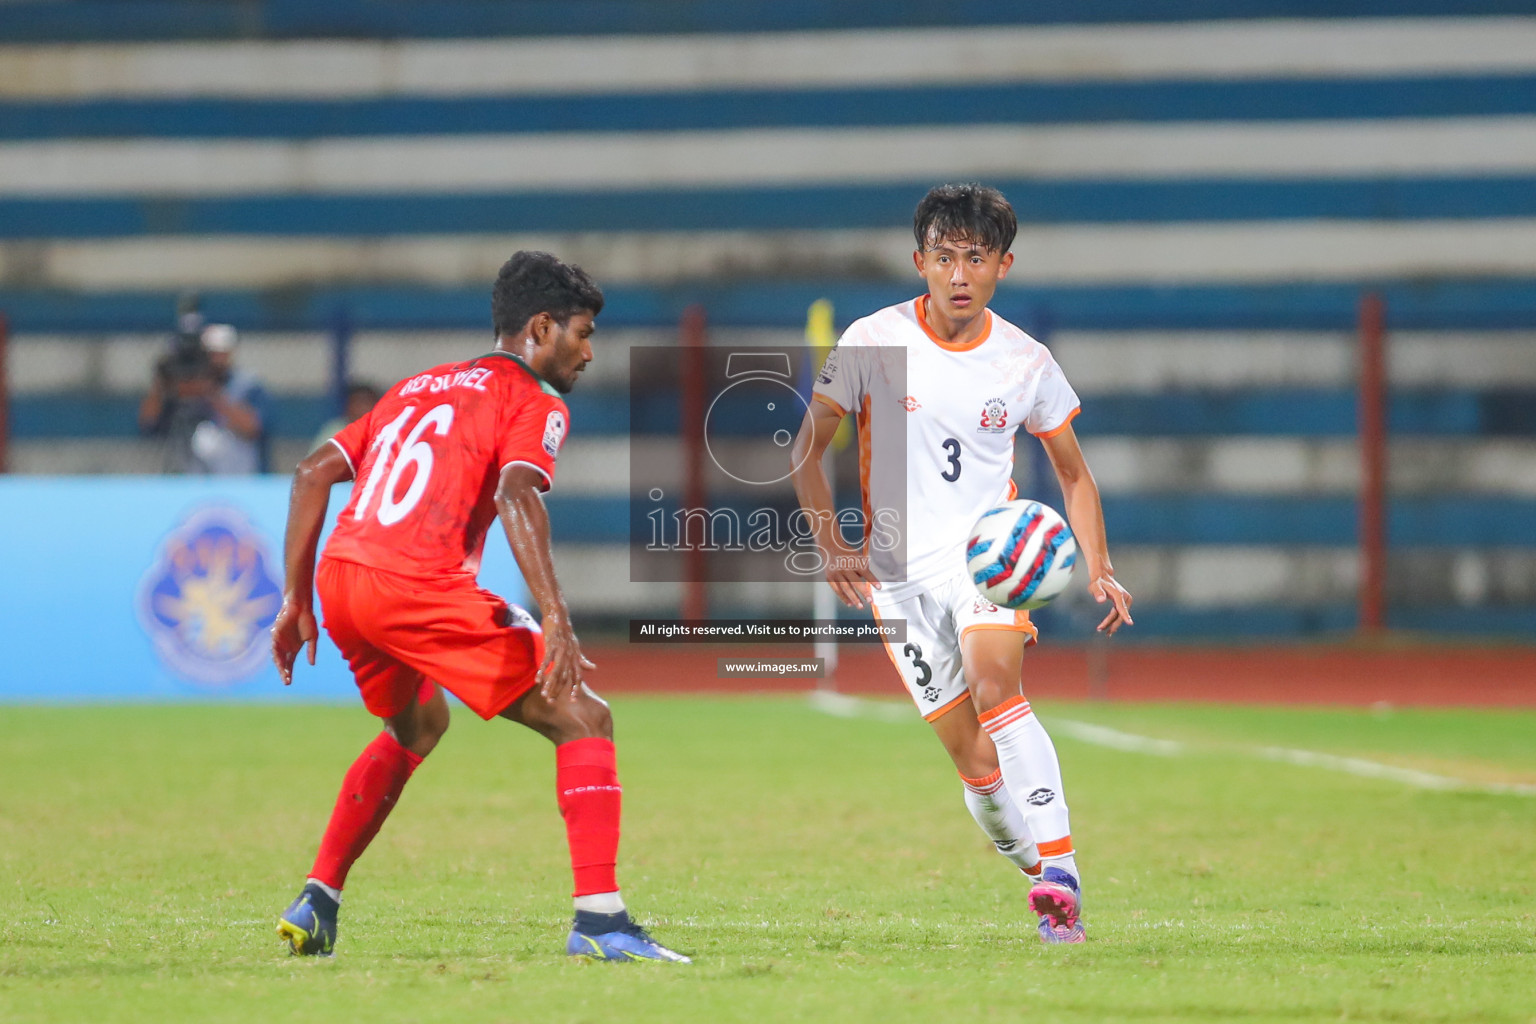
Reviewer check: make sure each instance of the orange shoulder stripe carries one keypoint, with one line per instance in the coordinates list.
(1064, 424)
(823, 399)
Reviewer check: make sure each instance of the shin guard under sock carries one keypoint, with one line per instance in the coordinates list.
(368, 794)
(1033, 775)
(587, 784)
(994, 810)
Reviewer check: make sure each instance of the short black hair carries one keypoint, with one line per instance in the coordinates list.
(531, 283)
(965, 212)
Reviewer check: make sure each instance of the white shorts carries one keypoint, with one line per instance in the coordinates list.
(937, 620)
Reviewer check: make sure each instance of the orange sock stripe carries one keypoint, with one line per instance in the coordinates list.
(985, 786)
(991, 713)
(1056, 847)
(1017, 715)
(1003, 721)
(985, 780)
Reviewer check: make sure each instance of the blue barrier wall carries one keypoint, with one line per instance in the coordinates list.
(158, 589)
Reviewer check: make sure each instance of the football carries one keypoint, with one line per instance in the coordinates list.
(1020, 554)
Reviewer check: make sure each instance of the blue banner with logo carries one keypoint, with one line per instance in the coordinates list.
(159, 588)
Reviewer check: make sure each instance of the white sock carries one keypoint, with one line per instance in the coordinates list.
(1066, 863)
(994, 810)
(334, 894)
(601, 903)
(1032, 774)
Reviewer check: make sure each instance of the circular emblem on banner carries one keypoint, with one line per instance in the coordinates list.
(209, 599)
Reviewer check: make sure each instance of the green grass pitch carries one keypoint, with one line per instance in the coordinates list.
(818, 868)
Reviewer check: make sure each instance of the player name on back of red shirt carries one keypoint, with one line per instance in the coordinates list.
(432, 384)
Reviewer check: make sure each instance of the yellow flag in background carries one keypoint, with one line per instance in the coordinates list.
(820, 335)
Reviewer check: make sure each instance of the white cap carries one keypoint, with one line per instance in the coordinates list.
(220, 337)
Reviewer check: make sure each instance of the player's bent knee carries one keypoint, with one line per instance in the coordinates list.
(420, 726)
(424, 744)
(974, 762)
(584, 718)
(988, 692)
(434, 725)
(564, 719)
(973, 755)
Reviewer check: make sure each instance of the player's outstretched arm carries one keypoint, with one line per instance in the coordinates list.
(847, 569)
(526, 521)
(1085, 512)
(295, 626)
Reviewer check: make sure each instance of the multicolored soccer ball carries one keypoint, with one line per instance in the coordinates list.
(1020, 554)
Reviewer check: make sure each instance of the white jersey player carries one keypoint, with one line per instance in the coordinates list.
(940, 387)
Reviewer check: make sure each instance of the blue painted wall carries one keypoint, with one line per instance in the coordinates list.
(79, 556)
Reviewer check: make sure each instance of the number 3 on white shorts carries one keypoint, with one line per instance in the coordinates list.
(413, 451)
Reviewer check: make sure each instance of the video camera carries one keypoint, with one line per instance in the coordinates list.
(188, 359)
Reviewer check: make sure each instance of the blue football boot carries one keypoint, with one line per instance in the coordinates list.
(615, 937)
(309, 923)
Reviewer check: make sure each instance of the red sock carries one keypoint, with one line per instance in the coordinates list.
(368, 794)
(587, 782)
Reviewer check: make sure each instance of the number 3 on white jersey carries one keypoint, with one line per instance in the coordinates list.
(414, 451)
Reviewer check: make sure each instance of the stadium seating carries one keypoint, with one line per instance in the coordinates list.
(1202, 204)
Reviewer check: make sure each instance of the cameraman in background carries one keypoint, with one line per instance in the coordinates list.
(211, 416)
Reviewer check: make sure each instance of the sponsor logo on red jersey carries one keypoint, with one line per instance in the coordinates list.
(554, 432)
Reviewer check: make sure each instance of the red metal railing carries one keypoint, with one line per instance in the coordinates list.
(1373, 464)
(695, 604)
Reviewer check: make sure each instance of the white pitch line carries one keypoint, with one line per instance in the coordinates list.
(1376, 770)
(841, 705)
(844, 706)
(1103, 736)
(1115, 739)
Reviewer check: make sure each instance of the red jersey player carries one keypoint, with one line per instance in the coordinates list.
(439, 457)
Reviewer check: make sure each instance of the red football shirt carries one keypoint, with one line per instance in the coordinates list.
(427, 458)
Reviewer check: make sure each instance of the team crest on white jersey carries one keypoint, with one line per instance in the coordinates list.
(994, 417)
(554, 432)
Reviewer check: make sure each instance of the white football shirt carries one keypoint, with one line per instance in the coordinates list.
(936, 426)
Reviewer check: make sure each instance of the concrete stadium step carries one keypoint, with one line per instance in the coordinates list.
(1253, 251)
(820, 206)
(1448, 304)
(123, 48)
(598, 466)
(1096, 362)
(1276, 411)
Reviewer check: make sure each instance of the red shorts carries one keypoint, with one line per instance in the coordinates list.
(400, 632)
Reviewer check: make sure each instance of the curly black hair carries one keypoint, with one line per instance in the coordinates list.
(531, 283)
